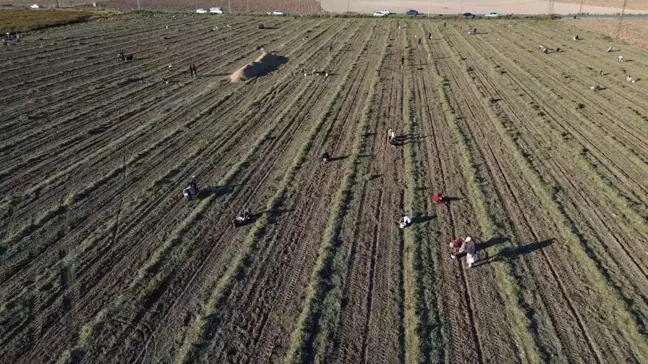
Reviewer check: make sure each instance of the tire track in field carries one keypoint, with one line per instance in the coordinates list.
(184, 308)
(566, 298)
(566, 181)
(172, 118)
(227, 221)
(275, 285)
(317, 325)
(567, 184)
(140, 95)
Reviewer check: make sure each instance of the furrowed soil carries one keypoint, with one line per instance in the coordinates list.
(103, 260)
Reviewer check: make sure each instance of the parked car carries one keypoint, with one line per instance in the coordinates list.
(412, 12)
(492, 15)
(276, 12)
(215, 10)
(379, 13)
(468, 15)
(201, 11)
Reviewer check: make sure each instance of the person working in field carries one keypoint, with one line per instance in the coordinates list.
(439, 199)
(404, 222)
(462, 246)
(391, 136)
(243, 218)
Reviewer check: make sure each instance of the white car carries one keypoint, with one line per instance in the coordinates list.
(215, 10)
(491, 15)
(276, 12)
(201, 11)
(379, 13)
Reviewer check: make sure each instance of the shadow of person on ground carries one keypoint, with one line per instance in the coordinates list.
(419, 218)
(215, 190)
(492, 242)
(272, 213)
(403, 139)
(509, 253)
(342, 157)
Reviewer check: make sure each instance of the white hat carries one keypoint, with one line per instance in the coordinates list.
(468, 239)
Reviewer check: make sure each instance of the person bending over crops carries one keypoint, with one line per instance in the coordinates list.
(404, 222)
(462, 246)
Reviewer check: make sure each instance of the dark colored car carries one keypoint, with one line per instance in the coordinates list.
(411, 12)
(468, 15)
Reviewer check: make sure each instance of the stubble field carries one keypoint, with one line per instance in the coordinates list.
(102, 260)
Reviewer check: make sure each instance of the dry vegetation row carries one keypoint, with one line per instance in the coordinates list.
(102, 260)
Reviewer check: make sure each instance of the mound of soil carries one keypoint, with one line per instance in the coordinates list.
(263, 65)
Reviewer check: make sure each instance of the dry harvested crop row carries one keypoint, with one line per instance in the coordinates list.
(101, 259)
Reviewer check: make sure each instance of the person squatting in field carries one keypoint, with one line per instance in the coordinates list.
(243, 217)
(391, 136)
(462, 246)
(404, 222)
(440, 199)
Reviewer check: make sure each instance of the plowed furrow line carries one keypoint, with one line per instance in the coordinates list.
(382, 326)
(575, 314)
(83, 69)
(225, 109)
(272, 296)
(472, 111)
(605, 154)
(193, 291)
(152, 89)
(120, 32)
(365, 358)
(317, 325)
(314, 97)
(547, 73)
(565, 177)
(467, 108)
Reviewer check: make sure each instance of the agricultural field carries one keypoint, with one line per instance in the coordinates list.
(103, 260)
(291, 6)
(633, 31)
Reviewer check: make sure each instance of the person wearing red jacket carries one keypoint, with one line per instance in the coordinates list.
(438, 198)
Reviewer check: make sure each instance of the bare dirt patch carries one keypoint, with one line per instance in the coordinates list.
(25, 20)
(634, 31)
